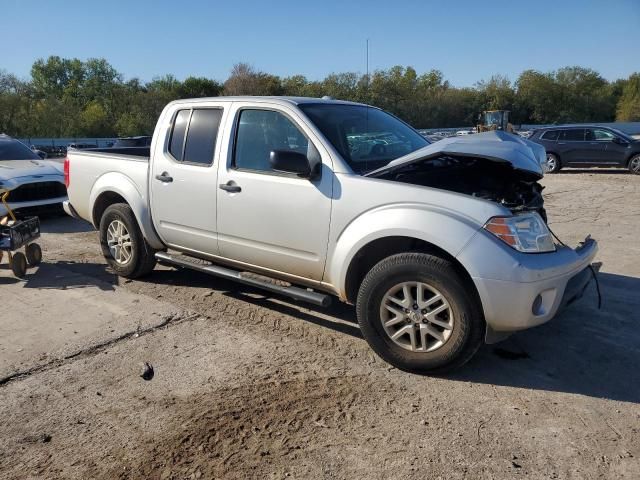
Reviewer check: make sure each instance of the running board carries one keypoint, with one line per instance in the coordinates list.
(258, 281)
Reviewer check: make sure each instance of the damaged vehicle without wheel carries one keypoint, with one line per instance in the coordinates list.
(439, 246)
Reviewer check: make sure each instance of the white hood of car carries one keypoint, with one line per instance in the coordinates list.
(500, 146)
(18, 172)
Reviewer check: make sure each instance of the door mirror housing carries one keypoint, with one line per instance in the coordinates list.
(619, 141)
(288, 161)
(42, 154)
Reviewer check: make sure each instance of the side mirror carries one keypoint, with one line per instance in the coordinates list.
(619, 141)
(288, 161)
(42, 154)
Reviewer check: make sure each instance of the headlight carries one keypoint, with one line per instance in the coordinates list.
(526, 232)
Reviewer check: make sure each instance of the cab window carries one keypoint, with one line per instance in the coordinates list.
(194, 134)
(573, 135)
(600, 135)
(261, 131)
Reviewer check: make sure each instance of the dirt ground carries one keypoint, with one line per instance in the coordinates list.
(254, 386)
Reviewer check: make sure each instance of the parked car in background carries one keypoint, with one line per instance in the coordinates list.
(126, 142)
(588, 146)
(81, 146)
(41, 153)
(439, 246)
(35, 184)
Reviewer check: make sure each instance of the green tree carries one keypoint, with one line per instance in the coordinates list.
(628, 108)
(246, 80)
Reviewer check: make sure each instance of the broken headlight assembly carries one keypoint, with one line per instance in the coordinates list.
(526, 232)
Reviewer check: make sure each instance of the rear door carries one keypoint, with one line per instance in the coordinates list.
(184, 178)
(267, 219)
(572, 147)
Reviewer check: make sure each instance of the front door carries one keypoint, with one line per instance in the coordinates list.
(267, 219)
(597, 140)
(615, 147)
(183, 183)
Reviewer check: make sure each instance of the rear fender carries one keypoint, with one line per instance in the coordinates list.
(119, 183)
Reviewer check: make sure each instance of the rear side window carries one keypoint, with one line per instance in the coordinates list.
(193, 139)
(573, 135)
(550, 135)
(176, 144)
(201, 136)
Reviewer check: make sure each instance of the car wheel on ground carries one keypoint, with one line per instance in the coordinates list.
(634, 164)
(416, 313)
(123, 244)
(552, 165)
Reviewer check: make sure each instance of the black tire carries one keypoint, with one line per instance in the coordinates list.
(19, 265)
(634, 164)
(142, 260)
(552, 164)
(468, 327)
(34, 254)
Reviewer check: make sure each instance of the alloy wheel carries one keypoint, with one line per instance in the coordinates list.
(416, 316)
(119, 242)
(551, 163)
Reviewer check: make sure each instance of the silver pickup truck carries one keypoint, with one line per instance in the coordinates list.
(439, 246)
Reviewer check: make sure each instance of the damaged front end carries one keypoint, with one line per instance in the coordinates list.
(495, 166)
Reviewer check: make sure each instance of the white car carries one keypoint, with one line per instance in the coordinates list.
(34, 184)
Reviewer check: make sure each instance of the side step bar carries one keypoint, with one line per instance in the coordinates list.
(296, 293)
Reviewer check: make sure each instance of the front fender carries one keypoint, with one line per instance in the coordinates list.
(443, 228)
(119, 183)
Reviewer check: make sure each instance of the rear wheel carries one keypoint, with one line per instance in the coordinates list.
(123, 245)
(552, 165)
(634, 164)
(416, 313)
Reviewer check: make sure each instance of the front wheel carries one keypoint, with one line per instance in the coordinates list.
(634, 164)
(418, 314)
(123, 245)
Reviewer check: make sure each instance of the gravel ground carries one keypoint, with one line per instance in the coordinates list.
(254, 386)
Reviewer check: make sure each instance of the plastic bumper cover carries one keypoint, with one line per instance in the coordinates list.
(533, 287)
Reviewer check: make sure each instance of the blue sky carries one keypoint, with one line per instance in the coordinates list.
(466, 40)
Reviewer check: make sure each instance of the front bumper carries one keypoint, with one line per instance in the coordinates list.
(519, 291)
(33, 205)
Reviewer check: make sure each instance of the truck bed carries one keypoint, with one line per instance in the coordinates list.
(123, 168)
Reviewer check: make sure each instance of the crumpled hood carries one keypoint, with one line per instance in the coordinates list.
(500, 146)
(17, 169)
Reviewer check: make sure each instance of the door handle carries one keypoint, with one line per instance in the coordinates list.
(230, 187)
(164, 177)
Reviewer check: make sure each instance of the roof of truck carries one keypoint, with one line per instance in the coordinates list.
(289, 100)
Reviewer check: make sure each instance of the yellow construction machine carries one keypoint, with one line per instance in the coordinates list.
(490, 120)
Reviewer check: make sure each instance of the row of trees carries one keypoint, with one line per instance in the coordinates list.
(69, 97)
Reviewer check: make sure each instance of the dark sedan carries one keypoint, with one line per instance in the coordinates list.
(590, 146)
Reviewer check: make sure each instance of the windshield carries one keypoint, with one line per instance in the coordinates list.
(14, 150)
(367, 138)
